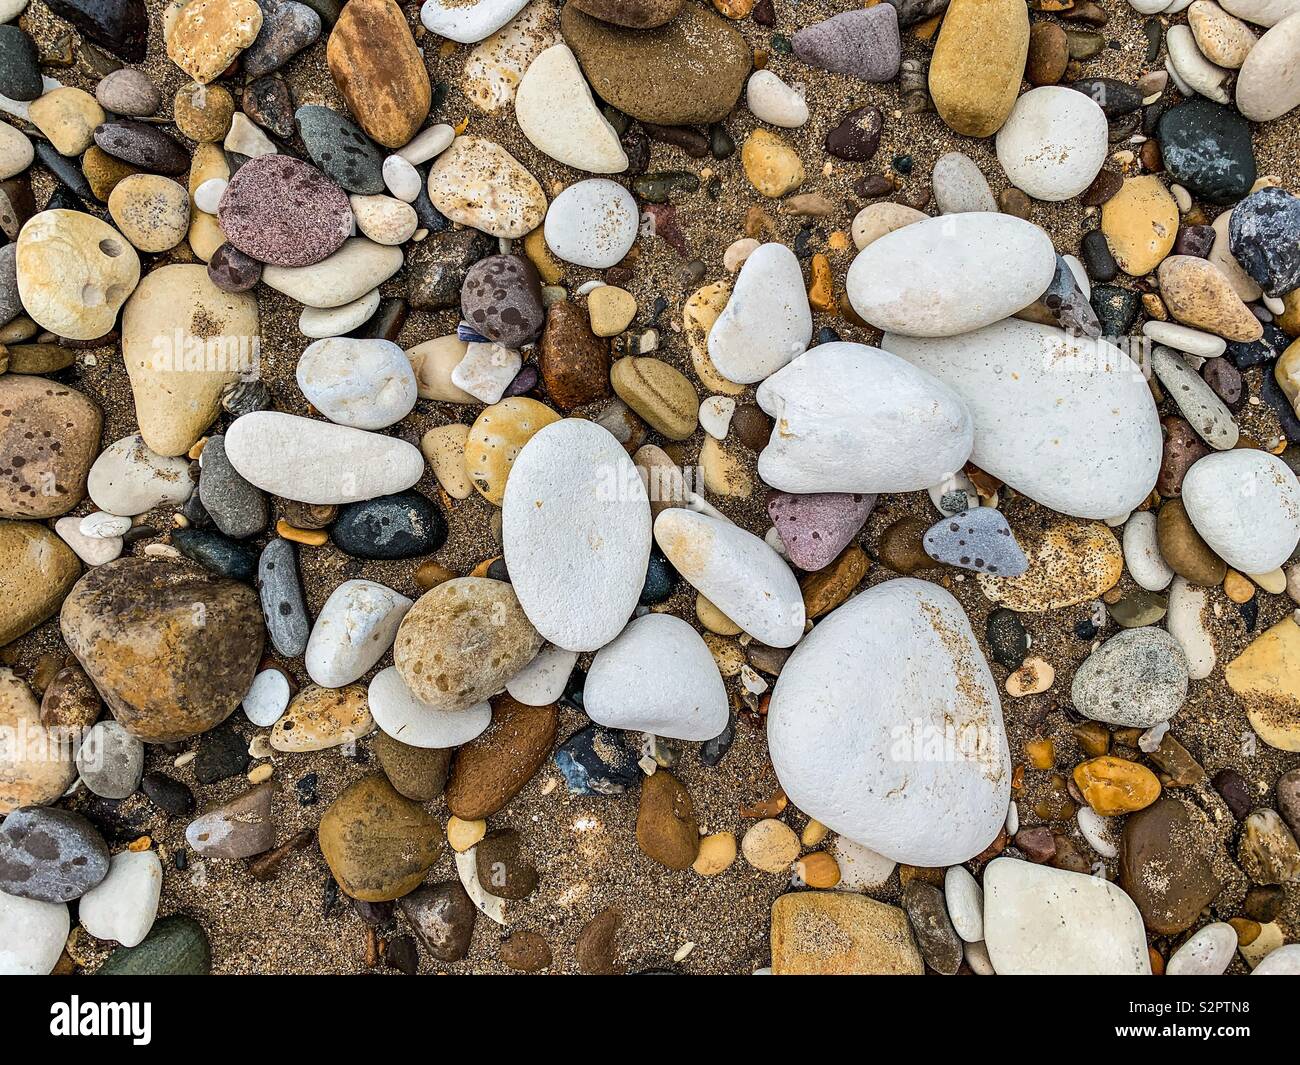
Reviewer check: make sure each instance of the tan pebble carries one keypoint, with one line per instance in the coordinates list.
(207, 35)
(717, 852)
(659, 393)
(104, 173)
(68, 118)
(462, 835)
(728, 656)
(875, 220)
(813, 833)
(307, 537)
(548, 266)
(261, 773)
(152, 211)
(737, 252)
(1222, 39)
(771, 165)
(429, 574)
(320, 718)
(1237, 588)
(1273, 582)
(203, 112)
(818, 870)
(770, 846)
(433, 362)
(1032, 678)
(495, 439)
(139, 844)
(1042, 753)
(611, 310)
(1199, 295)
(444, 450)
(699, 313)
(1140, 223)
(724, 474)
(821, 293)
(714, 619)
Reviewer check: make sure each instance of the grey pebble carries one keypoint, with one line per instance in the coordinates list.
(111, 761)
(50, 854)
(238, 508)
(283, 606)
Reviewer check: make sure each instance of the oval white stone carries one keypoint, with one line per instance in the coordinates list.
(267, 698)
(949, 275)
(1269, 83)
(1142, 553)
(657, 676)
(592, 223)
(1207, 952)
(556, 111)
(736, 571)
(772, 100)
(404, 717)
(1054, 142)
(32, 935)
(128, 478)
(885, 725)
(319, 462)
(468, 21)
(766, 322)
(1068, 421)
(965, 899)
(575, 524)
(124, 904)
(542, 681)
(853, 418)
(367, 384)
(321, 322)
(358, 266)
(1186, 624)
(1041, 921)
(1246, 505)
(355, 628)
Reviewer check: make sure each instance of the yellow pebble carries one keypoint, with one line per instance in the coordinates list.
(770, 845)
(818, 870)
(462, 835)
(821, 294)
(261, 773)
(308, 537)
(717, 852)
(1237, 588)
(141, 844)
(813, 833)
(1041, 753)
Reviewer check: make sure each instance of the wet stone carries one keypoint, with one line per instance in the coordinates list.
(598, 761)
(390, 527)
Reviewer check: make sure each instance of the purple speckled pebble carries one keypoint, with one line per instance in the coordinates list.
(862, 43)
(815, 528)
(525, 381)
(283, 211)
(233, 271)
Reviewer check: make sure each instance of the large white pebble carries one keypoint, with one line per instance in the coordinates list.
(1067, 421)
(1041, 921)
(267, 698)
(129, 478)
(399, 713)
(885, 725)
(468, 21)
(575, 524)
(124, 904)
(853, 418)
(1207, 952)
(367, 384)
(543, 680)
(1245, 503)
(766, 322)
(1142, 553)
(556, 111)
(32, 935)
(319, 462)
(1261, 12)
(737, 572)
(354, 629)
(592, 223)
(657, 676)
(1282, 961)
(773, 101)
(1054, 142)
(952, 274)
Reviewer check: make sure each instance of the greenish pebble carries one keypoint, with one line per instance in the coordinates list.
(1084, 44)
(663, 185)
(1139, 609)
(176, 946)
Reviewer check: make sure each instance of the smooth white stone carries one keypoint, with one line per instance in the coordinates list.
(767, 320)
(313, 461)
(427, 144)
(358, 266)
(715, 415)
(1261, 12)
(384, 219)
(1186, 624)
(1283, 961)
(575, 523)
(555, 109)
(1192, 68)
(468, 21)
(486, 371)
(1098, 831)
(353, 631)
(245, 138)
(1185, 338)
(542, 681)
(1207, 952)
(1067, 421)
(1054, 143)
(1041, 921)
(861, 868)
(321, 322)
(1268, 85)
(960, 186)
(367, 384)
(267, 698)
(965, 899)
(853, 418)
(1246, 505)
(737, 572)
(124, 904)
(885, 725)
(32, 935)
(950, 275)
(128, 478)
(1142, 555)
(399, 713)
(773, 101)
(493, 69)
(207, 197)
(101, 526)
(657, 676)
(92, 550)
(400, 176)
(592, 223)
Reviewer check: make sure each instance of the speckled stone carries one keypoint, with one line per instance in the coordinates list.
(978, 539)
(501, 298)
(50, 854)
(144, 146)
(337, 145)
(49, 436)
(1207, 149)
(864, 44)
(404, 525)
(285, 212)
(816, 527)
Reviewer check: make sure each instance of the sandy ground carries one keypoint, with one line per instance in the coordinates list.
(585, 847)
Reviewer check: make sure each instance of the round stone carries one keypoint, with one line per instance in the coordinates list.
(592, 223)
(285, 212)
(1054, 143)
(501, 299)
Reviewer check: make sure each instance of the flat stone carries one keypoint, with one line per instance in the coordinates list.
(284, 212)
(123, 906)
(766, 322)
(478, 183)
(864, 44)
(826, 933)
(206, 35)
(977, 65)
(378, 845)
(399, 714)
(977, 539)
(555, 109)
(815, 527)
(377, 67)
(1207, 149)
(110, 761)
(239, 828)
(1136, 679)
(1163, 867)
(319, 719)
(49, 436)
(1071, 563)
(50, 855)
(491, 770)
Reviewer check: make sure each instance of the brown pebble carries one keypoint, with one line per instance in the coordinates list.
(526, 952)
(665, 825)
(596, 947)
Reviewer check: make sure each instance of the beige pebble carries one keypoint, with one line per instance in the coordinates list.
(433, 362)
(813, 833)
(714, 619)
(818, 870)
(699, 313)
(611, 310)
(660, 394)
(737, 252)
(444, 450)
(320, 718)
(771, 165)
(1273, 582)
(724, 474)
(770, 846)
(462, 835)
(1032, 678)
(727, 655)
(68, 117)
(495, 439)
(875, 220)
(152, 211)
(717, 852)
(261, 773)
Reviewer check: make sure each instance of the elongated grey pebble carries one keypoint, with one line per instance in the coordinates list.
(283, 605)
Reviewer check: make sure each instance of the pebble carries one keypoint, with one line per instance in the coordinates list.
(238, 828)
(611, 309)
(1015, 396)
(811, 749)
(1163, 867)
(1136, 679)
(379, 70)
(815, 527)
(1246, 506)
(1142, 553)
(1191, 69)
(16, 152)
(1207, 149)
(50, 855)
(1262, 677)
(1258, 230)
(237, 508)
(479, 184)
(573, 358)
(544, 679)
(287, 29)
(863, 44)
(959, 186)
(68, 118)
(322, 322)
(965, 902)
(556, 112)
(592, 223)
(496, 438)
(49, 435)
(267, 697)
(1198, 295)
(366, 384)
(58, 244)
(1054, 143)
(770, 846)
(1186, 623)
(143, 145)
(32, 935)
(1072, 562)
(175, 946)
(977, 65)
(577, 557)
(688, 72)
(826, 933)
(284, 212)
(1207, 952)
(405, 525)
(339, 148)
(486, 371)
(773, 101)
(110, 761)
(470, 22)
(1268, 86)
(1140, 223)
(280, 589)
(318, 719)
(356, 268)
(354, 629)
(416, 773)
(657, 676)
(598, 761)
(124, 905)
(492, 769)
(766, 322)
(1196, 400)
(1049, 53)
(660, 394)
(399, 714)
(206, 35)
(771, 165)
(442, 917)
(31, 775)
(378, 845)
(501, 299)
(736, 571)
(1040, 921)
(666, 829)
(384, 219)
(856, 138)
(978, 539)
(1222, 39)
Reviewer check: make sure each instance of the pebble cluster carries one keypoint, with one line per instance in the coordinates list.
(689, 527)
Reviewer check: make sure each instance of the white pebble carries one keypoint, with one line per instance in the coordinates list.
(1185, 338)
(101, 526)
(207, 197)
(401, 178)
(715, 415)
(267, 698)
(773, 101)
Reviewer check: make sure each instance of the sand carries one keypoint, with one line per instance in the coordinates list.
(584, 848)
